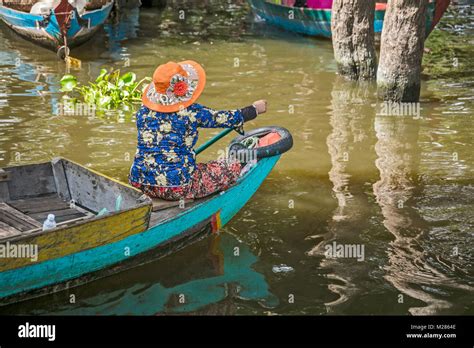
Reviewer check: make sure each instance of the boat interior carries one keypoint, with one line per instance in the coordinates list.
(29, 193)
(72, 193)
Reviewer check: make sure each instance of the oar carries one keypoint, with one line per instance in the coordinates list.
(213, 140)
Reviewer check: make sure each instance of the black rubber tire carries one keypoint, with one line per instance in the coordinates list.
(236, 149)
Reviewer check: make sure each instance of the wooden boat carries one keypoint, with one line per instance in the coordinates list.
(59, 29)
(103, 226)
(317, 21)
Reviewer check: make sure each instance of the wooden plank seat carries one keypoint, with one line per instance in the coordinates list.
(38, 208)
(161, 204)
(14, 222)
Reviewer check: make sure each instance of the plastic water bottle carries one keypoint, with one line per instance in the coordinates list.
(102, 212)
(118, 203)
(49, 223)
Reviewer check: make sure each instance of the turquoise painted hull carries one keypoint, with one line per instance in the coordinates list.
(312, 22)
(199, 292)
(47, 33)
(57, 271)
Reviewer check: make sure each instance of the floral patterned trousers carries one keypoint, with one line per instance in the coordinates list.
(207, 178)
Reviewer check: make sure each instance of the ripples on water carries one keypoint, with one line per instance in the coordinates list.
(399, 186)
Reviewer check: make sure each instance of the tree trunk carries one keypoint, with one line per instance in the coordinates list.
(352, 26)
(401, 50)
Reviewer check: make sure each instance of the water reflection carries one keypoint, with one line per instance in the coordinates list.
(120, 28)
(410, 266)
(18, 64)
(209, 282)
(26, 82)
(349, 145)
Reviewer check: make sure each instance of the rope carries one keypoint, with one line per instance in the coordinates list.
(250, 142)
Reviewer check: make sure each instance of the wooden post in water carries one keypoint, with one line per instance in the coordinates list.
(160, 4)
(401, 50)
(352, 26)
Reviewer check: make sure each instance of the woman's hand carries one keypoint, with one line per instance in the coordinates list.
(260, 106)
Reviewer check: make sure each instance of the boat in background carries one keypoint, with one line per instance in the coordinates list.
(316, 20)
(58, 28)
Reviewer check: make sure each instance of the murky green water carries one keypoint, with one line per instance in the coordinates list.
(400, 186)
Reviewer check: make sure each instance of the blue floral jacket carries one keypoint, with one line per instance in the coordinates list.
(165, 154)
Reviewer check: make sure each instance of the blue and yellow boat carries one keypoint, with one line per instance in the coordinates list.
(59, 28)
(103, 226)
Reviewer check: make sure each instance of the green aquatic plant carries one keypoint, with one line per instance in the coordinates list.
(449, 48)
(109, 91)
(448, 55)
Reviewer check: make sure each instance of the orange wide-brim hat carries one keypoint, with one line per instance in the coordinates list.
(175, 86)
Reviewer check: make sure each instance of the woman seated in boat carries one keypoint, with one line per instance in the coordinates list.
(165, 163)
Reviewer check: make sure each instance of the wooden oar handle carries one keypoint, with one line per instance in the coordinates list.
(213, 140)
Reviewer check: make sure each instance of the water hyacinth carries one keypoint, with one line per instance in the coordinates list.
(109, 91)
